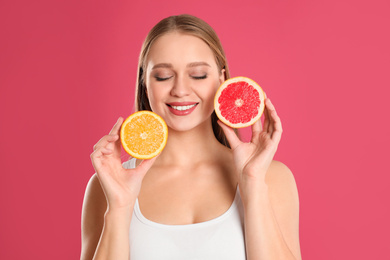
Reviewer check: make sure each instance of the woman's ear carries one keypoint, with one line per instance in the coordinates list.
(222, 77)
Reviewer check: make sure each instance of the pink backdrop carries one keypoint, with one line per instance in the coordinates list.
(68, 72)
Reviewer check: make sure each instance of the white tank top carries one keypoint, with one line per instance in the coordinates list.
(219, 238)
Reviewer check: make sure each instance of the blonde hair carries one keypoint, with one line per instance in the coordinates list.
(191, 25)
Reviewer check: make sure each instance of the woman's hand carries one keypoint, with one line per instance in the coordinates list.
(253, 159)
(121, 186)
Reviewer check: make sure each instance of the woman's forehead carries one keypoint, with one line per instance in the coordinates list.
(179, 49)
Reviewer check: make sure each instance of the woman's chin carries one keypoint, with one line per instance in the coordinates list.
(180, 127)
(185, 126)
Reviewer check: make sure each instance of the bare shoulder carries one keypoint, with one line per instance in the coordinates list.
(92, 218)
(282, 187)
(280, 176)
(94, 197)
(283, 194)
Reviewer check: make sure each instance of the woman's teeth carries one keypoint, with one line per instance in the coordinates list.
(181, 108)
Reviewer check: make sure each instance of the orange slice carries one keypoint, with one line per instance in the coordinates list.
(144, 134)
(239, 102)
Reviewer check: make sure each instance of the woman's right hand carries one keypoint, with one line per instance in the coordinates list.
(121, 186)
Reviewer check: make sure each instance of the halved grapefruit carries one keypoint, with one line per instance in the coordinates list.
(239, 102)
(144, 134)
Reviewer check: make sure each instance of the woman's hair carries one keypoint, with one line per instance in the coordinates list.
(191, 25)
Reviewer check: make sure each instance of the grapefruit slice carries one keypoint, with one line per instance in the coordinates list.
(239, 102)
(144, 134)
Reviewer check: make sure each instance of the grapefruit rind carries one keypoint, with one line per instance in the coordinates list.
(123, 136)
(261, 107)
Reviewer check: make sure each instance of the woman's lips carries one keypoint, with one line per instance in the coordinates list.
(182, 108)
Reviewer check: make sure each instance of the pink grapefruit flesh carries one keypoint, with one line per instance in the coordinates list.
(239, 102)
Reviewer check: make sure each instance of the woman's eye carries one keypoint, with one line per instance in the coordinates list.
(161, 79)
(200, 77)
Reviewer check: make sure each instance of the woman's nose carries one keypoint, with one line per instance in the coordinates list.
(180, 88)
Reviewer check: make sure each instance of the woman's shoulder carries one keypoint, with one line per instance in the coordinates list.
(283, 195)
(281, 182)
(92, 217)
(278, 172)
(94, 195)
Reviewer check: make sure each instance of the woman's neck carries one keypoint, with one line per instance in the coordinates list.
(186, 148)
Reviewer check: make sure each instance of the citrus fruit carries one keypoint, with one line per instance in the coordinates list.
(239, 102)
(144, 134)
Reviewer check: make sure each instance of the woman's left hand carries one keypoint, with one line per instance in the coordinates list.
(253, 159)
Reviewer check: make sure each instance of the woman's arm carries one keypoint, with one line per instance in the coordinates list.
(272, 217)
(268, 191)
(105, 233)
(109, 200)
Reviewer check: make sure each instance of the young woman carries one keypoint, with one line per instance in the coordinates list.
(207, 195)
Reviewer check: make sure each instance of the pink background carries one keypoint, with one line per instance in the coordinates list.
(68, 69)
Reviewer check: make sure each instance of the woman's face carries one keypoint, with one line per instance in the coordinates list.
(181, 79)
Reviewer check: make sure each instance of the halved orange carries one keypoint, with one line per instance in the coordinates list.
(239, 102)
(144, 134)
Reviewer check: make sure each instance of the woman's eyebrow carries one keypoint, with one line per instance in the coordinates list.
(189, 65)
(162, 65)
(199, 63)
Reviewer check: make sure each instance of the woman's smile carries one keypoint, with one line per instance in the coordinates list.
(182, 108)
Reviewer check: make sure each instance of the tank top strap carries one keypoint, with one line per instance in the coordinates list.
(129, 164)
